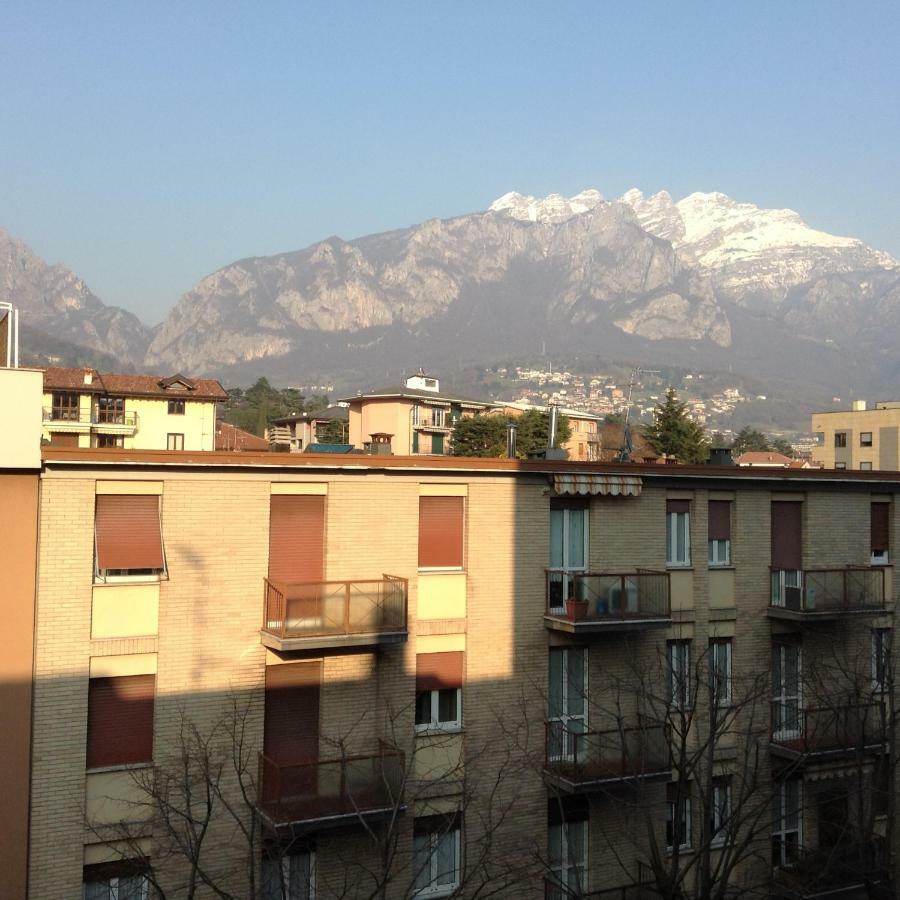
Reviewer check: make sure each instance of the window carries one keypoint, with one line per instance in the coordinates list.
(437, 417)
(865, 467)
(176, 407)
(678, 675)
(678, 533)
(840, 465)
(110, 440)
(865, 439)
(678, 817)
(786, 553)
(436, 847)
(881, 659)
(568, 549)
(120, 880)
(439, 678)
(65, 407)
(120, 721)
(441, 532)
(787, 662)
(720, 811)
(719, 532)
(567, 845)
(128, 536)
(111, 410)
(720, 670)
(840, 439)
(292, 877)
(567, 701)
(880, 532)
(786, 832)
(174, 441)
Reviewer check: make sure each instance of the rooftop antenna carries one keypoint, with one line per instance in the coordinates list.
(627, 446)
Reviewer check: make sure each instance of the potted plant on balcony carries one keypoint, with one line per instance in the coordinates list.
(576, 609)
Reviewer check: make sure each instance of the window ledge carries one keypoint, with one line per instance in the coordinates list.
(438, 892)
(121, 767)
(99, 581)
(437, 731)
(721, 566)
(679, 567)
(441, 570)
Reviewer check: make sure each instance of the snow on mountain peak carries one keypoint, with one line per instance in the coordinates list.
(552, 208)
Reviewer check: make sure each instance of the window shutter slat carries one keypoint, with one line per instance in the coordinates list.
(880, 526)
(787, 535)
(720, 520)
(291, 728)
(678, 506)
(128, 532)
(436, 671)
(297, 538)
(441, 532)
(120, 720)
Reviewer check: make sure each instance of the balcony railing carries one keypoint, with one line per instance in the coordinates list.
(832, 871)
(332, 792)
(602, 601)
(816, 731)
(115, 417)
(826, 593)
(334, 613)
(64, 415)
(642, 890)
(578, 761)
(445, 423)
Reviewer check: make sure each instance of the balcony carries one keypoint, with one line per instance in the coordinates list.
(585, 603)
(66, 419)
(643, 889)
(581, 762)
(839, 872)
(108, 421)
(333, 614)
(332, 793)
(816, 595)
(817, 733)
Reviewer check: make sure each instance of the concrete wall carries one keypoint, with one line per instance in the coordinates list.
(20, 418)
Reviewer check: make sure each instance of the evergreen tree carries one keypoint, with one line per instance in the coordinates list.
(674, 433)
(334, 432)
(749, 439)
(485, 435)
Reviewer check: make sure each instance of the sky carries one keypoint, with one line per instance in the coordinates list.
(145, 145)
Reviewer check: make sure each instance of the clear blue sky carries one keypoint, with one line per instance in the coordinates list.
(145, 144)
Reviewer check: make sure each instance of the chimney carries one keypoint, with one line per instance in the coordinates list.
(88, 376)
(720, 456)
(859, 406)
(551, 431)
(511, 440)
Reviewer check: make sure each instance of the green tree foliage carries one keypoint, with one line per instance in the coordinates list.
(333, 432)
(750, 439)
(674, 433)
(485, 435)
(254, 408)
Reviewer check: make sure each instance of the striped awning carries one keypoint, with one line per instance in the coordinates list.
(598, 485)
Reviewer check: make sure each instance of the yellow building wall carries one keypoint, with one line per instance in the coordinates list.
(854, 421)
(20, 446)
(114, 797)
(442, 595)
(197, 424)
(124, 610)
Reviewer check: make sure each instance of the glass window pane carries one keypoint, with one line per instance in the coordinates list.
(556, 538)
(131, 888)
(576, 698)
(422, 864)
(423, 708)
(554, 844)
(447, 705)
(576, 538)
(681, 549)
(446, 858)
(299, 877)
(97, 890)
(576, 843)
(555, 691)
(670, 521)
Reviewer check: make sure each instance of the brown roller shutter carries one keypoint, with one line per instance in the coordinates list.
(678, 506)
(435, 671)
(61, 439)
(441, 532)
(720, 520)
(291, 730)
(787, 535)
(128, 532)
(120, 720)
(881, 528)
(297, 538)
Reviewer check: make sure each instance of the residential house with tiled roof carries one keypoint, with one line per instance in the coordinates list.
(295, 433)
(230, 437)
(85, 408)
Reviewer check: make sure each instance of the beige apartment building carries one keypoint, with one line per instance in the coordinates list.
(84, 408)
(323, 676)
(859, 438)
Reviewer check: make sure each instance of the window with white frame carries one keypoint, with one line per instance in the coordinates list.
(787, 828)
(292, 877)
(678, 817)
(720, 670)
(678, 674)
(881, 659)
(678, 533)
(567, 701)
(787, 716)
(567, 851)
(113, 881)
(568, 551)
(439, 710)
(720, 553)
(719, 532)
(436, 850)
(438, 416)
(720, 811)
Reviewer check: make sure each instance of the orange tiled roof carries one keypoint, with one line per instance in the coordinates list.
(73, 379)
(230, 437)
(763, 457)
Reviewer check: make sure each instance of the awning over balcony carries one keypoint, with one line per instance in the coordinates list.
(598, 485)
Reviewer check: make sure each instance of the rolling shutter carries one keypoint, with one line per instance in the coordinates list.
(120, 720)
(441, 532)
(720, 520)
(436, 671)
(297, 538)
(678, 506)
(291, 730)
(128, 532)
(787, 531)
(880, 525)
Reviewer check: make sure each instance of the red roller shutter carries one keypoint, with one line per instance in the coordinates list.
(120, 720)
(291, 730)
(297, 538)
(128, 532)
(720, 520)
(787, 535)
(441, 532)
(881, 527)
(435, 671)
(678, 506)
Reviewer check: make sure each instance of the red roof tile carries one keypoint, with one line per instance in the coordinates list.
(57, 378)
(230, 437)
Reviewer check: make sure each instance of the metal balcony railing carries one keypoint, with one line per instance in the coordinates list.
(64, 414)
(643, 889)
(442, 422)
(826, 730)
(331, 792)
(822, 592)
(115, 417)
(607, 597)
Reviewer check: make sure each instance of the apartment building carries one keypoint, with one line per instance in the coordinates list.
(405, 677)
(300, 432)
(858, 438)
(584, 441)
(414, 418)
(84, 408)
